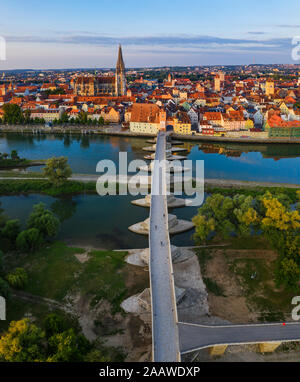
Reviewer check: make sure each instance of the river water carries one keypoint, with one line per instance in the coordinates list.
(102, 221)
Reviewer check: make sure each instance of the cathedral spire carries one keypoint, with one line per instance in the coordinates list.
(120, 79)
(120, 63)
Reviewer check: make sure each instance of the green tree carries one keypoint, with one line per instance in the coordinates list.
(4, 288)
(29, 240)
(95, 355)
(44, 220)
(57, 170)
(67, 347)
(27, 116)
(14, 155)
(18, 278)
(64, 118)
(288, 274)
(23, 342)
(82, 118)
(54, 324)
(11, 230)
(1, 261)
(12, 113)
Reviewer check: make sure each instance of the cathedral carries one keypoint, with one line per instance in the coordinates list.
(103, 85)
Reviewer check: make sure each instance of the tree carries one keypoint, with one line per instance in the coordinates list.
(44, 220)
(1, 262)
(18, 278)
(27, 116)
(11, 230)
(14, 155)
(101, 121)
(4, 289)
(82, 118)
(29, 240)
(203, 227)
(57, 170)
(54, 324)
(64, 118)
(95, 355)
(23, 342)
(288, 274)
(67, 347)
(12, 113)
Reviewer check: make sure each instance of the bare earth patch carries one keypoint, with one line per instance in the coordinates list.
(233, 305)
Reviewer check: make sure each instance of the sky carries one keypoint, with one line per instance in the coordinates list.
(85, 34)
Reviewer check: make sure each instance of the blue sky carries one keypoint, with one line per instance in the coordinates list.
(72, 33)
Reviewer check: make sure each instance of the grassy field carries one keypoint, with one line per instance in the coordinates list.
(250, 264)
(42, 186)
(256, 276)
(55, 271)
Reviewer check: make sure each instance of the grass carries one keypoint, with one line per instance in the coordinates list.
(203, 257)
(101, 277)
(54, 272)
(18, 174)
(256, 278)
(27, 186)
(51, 270)
(213, 287)
(273, 304)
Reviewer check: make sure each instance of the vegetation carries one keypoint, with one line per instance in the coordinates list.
(29, 240)
(57, 170)
(26, 342)
(244, 216)
(18, 278)
(44, 220)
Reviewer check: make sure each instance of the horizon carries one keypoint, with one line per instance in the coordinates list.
(69, 36)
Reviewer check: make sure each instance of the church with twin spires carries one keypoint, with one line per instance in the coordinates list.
(103, 85)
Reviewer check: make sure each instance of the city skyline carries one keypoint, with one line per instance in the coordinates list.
(73, 35)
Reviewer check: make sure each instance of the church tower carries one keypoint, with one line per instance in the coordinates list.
(120, 86)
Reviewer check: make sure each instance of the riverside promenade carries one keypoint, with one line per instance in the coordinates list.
(117, 130)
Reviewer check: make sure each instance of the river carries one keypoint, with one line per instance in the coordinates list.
(103, 222)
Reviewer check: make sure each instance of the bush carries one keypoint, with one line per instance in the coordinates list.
(44, 220)
(29, 240)
(1, 262)
(18, 278)
(4, 289)
(11, 230)
(54, 324)
(57, 170)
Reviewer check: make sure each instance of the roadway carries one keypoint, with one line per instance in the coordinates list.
(165, 337)
(194, 337)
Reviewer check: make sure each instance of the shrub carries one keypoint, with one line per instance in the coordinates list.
(29, 240)
(18, 278)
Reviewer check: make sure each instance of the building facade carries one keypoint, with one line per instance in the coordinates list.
(103, 85)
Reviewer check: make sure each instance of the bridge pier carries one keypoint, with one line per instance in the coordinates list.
(268, 347)
(217, 350)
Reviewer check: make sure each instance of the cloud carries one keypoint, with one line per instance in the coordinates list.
(256, 33)
(288, 26)
(171, 41)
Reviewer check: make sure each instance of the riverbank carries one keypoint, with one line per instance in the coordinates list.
(117, 130)
(10, 184)
(21, 164)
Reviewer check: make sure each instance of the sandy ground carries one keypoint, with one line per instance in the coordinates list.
(233, 307)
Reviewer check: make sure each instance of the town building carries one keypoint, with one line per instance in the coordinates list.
(103, 85)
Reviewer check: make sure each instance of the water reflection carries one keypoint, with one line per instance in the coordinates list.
(259, 162)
